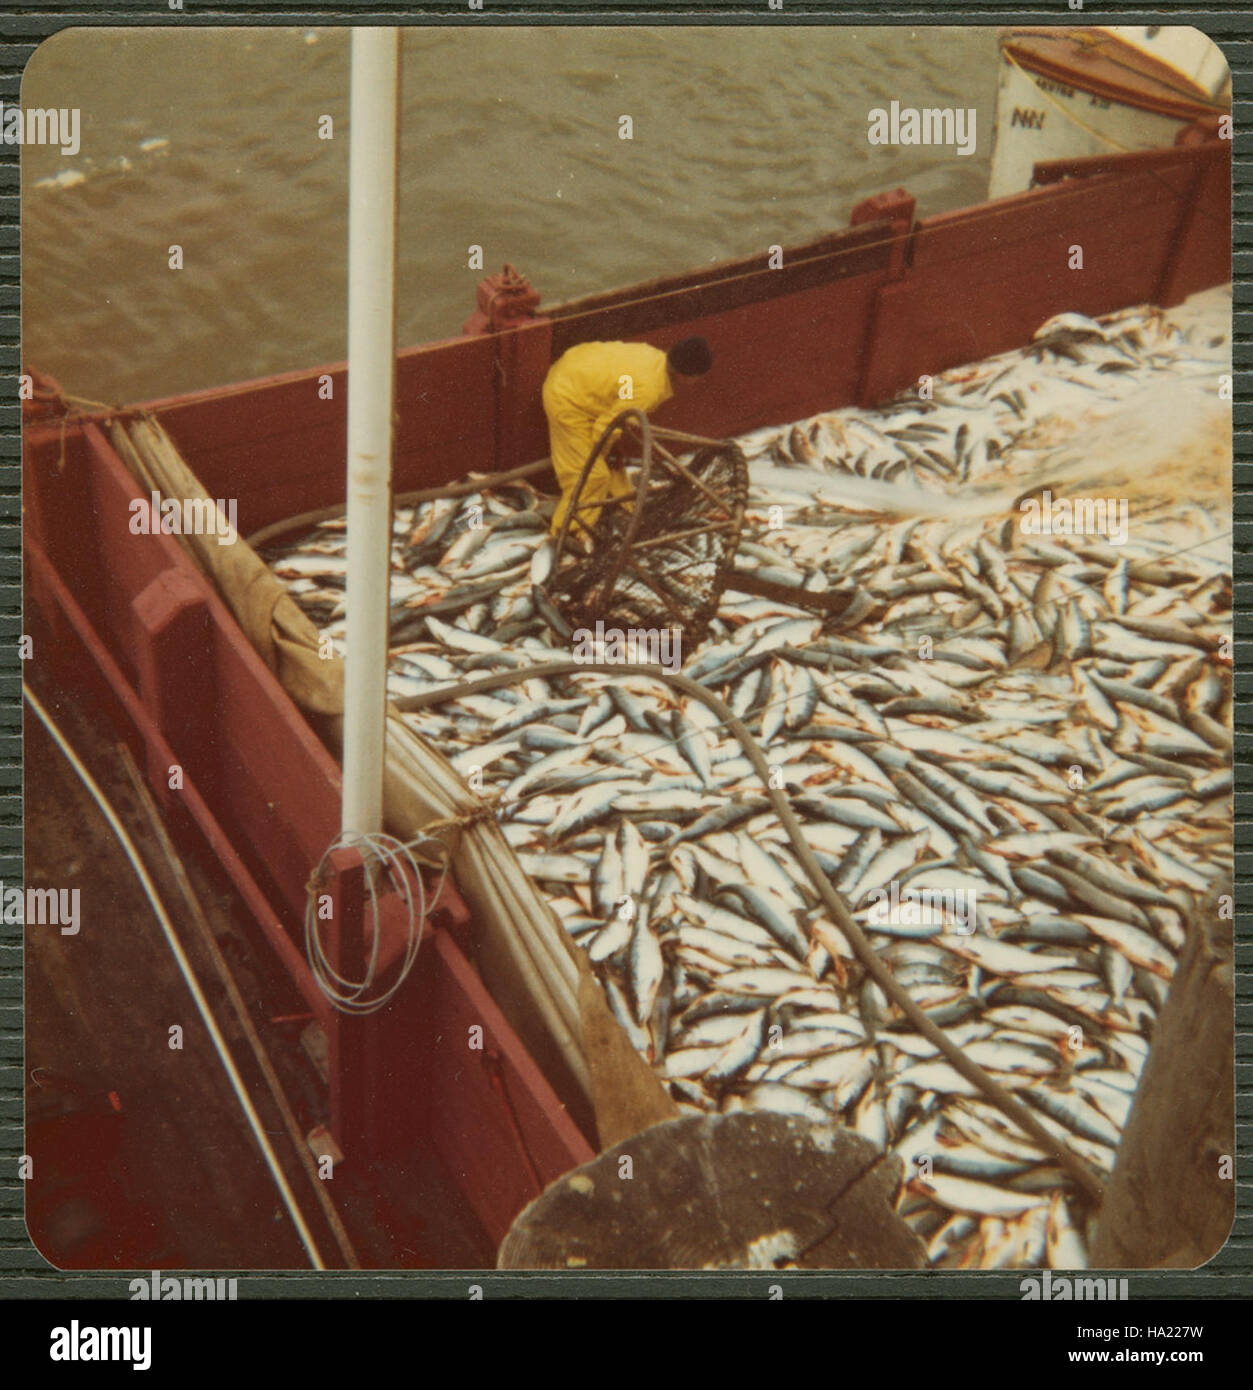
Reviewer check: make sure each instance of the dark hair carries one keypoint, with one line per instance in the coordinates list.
(690, 357)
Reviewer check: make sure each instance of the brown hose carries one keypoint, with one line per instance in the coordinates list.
(307, 520)
(1084, 1176)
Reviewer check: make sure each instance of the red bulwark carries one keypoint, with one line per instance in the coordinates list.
(142, 632)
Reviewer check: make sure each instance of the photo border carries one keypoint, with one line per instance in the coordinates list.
(24, 1274)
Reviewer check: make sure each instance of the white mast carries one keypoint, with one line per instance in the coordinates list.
(371, 369)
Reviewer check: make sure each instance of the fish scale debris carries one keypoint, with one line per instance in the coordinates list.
(1043, 719)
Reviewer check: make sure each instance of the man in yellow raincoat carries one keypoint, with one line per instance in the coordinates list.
(591, 383)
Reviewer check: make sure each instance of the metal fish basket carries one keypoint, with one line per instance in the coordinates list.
(660, 557)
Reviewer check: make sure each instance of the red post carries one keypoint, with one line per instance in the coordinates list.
(172, 632)
(523, 346)
(896, 208)
(353, 1121)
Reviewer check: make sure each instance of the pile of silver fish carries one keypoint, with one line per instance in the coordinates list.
(1037, 724)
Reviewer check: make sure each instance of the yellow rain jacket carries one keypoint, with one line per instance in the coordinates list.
(585, 388)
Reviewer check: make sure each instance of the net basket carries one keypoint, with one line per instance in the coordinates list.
(663, 561)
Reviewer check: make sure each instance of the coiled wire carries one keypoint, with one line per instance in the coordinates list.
(381, 852)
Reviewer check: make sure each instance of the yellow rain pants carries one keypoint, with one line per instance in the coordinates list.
(585, 388)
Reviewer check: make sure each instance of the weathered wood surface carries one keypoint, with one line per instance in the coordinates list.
(749, 1190)
(1168, 1204)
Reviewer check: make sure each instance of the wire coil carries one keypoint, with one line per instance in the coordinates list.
(382, 853)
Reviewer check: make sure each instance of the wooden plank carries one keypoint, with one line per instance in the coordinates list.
(1098, 212)
(171, 625)
(279, 448)
(250, 752)
(775, 361)
(1170, 1203)
(963, 301)
(97, 673)
(678, 299)
(1201, 255)
(504, 1139)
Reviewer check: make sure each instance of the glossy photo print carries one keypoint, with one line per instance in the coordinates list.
(628, 664)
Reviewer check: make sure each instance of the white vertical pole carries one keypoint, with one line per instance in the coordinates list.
(371, 369)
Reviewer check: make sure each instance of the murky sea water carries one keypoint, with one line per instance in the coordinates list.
(209, 140)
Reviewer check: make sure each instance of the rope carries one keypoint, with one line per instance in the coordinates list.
(1084, 1176)
(1087, 1179)
(483, 483)
(487, 811)
(611, 582)
(127, 846)
(408, 704)
(352, 996)
(80, 408)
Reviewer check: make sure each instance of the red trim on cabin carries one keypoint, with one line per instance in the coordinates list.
(1106, 66)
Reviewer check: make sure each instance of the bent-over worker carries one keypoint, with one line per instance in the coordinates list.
(591, 383)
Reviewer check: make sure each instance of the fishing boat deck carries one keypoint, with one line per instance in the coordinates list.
(1126, 408)
(137, 624)
(143, 1156)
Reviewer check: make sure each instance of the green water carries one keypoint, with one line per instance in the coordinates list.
(742, 137)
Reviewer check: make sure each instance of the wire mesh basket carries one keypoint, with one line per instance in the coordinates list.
(660, 557)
